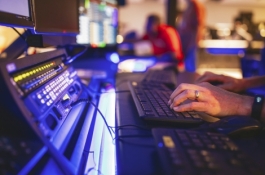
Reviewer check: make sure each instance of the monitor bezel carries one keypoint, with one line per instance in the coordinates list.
(15, 20)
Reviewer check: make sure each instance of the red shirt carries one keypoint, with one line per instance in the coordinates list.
(166, 40)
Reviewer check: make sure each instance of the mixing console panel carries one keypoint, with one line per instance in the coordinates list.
(39, 89)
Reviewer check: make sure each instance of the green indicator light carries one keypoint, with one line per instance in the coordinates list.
(102, 45)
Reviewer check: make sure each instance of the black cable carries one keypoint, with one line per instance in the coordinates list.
(71, 59)
(110, 128)
(124, 126)
(93, 168)
(24, 39)
(19, 34)
(90, 102)
(130, 136)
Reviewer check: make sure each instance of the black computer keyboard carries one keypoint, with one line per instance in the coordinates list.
(168, 77)
(151, 103)
(191, 152)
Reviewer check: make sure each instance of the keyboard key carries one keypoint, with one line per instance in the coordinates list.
(186, 115)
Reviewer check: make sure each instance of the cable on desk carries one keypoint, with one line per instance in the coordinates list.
(110, 128)
(19, 34)
(71, 59)
(23, 38)
(90, 102)
(125, 126)
(93, 168)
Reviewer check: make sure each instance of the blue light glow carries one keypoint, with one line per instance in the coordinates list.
(160, 145)
(114, 57)
(229, 51)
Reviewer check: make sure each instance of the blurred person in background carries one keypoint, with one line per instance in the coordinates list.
(165, 40)
(191, 27)
(240, 31)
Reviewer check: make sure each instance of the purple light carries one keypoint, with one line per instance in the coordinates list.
(160, 145)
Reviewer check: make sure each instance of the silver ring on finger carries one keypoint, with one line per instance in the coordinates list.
(197, 94)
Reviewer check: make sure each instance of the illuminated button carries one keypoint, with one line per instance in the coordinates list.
(48, 103)
(44, 92)
(47, 96)
(39, 96)
(168, 142)
(42, 101)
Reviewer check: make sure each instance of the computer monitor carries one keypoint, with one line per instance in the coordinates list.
(98, 23)
(16, 13)
(56, 17)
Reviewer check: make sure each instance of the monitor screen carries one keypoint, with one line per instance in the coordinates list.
(59, 17)
(98, 23)
(15, 13)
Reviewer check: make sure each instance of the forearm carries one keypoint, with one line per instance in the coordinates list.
(244, 105)
(253, 82)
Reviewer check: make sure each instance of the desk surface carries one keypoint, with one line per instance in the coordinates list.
(136, 151)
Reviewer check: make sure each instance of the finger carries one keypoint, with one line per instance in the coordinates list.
(187, 95)
(183, 96)
(183, 87)
(192, 106)
(213, 78)
(206, 74)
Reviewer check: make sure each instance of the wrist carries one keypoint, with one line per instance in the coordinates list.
(244, 84)
(245, 106)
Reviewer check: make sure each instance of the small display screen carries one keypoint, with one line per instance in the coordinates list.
(16, 13)
(18, 7)
(98, 22)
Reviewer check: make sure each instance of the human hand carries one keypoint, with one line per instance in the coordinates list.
(210, 99)
(223, 81)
